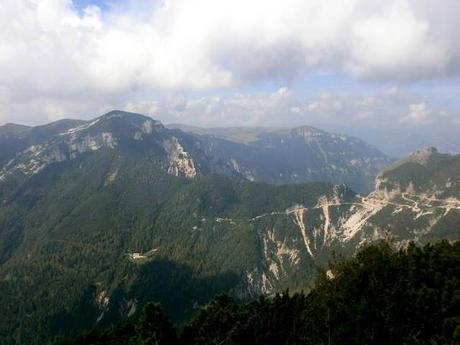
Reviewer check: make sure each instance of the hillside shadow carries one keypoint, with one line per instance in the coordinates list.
(175, 286)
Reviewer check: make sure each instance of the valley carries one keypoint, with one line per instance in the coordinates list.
(98, 219)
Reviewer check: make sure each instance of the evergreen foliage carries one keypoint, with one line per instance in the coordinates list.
(382, 296)
(89, 238)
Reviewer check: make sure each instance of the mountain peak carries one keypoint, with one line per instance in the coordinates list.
(122, 114)
(425, 170)
(127, 116)
(13, 128)
(306, 132)
(421, 156)
(307, 129)
(117, 122)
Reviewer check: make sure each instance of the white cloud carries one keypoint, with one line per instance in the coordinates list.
(286, 107)
(272, 108)
(418, 114)
(396, 121)
(397, 44)
(55, 60)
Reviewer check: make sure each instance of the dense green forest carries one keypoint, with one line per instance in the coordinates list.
(380, 296)
(98, 220)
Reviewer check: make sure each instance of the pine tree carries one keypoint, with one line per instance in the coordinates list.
(154, 327)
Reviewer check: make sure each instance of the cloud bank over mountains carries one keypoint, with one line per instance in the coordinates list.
(58, 58)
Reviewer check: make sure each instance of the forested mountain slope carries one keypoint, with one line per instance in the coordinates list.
(101, 218)
(380, 297)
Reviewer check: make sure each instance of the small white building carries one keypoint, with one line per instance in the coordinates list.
(136, 256)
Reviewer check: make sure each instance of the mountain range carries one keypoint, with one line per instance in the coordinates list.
(98, 217)
(294, 155)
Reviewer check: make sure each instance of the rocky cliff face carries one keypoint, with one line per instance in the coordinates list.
(416, 199)
(106, 132)
(180, 162)
(341, 224)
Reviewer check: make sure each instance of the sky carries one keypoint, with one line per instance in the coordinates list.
(385, 70)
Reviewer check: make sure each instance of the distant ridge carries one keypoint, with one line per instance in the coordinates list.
(294, 155)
